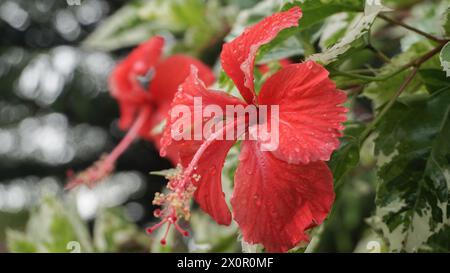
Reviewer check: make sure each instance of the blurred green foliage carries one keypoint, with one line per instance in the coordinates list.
(55, 226)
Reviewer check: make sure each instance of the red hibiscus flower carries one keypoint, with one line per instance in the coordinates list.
(277, 194)
(144, 85)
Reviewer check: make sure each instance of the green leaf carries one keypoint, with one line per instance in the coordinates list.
(335, 28)
(381, 91)
(347, 156)
(359, 27)
(315, 11)
(438, 242)
(428, 17)
(434, 79)
(445, 58)
(242, 4)
(290, 47)
(124, 28)
(19, 243)
(414, 155)
(399, 4)
(314, 14)
(209, 236)
(285, 44)
(446, 23)
(114, 232)
(194, 22)
(354, 202)
(52, 227)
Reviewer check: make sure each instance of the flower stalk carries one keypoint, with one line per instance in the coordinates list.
(106, 164)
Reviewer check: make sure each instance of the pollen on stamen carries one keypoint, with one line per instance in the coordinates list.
(175, 202)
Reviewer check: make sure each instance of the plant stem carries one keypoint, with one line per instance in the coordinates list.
(364, 70)
(388, 106)
(418, 31)
(105, 165)
(129, 137)
(314, 243)
(415, 62)
(419, 61)
(380, 54)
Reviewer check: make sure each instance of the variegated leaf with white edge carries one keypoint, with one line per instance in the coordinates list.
(359, 27)
(445, 58)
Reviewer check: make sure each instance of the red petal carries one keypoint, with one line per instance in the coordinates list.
(123, 82)
(209, 193)
(127, 115)
(310, 115)
(238, 56)
(275, 202)
(148, 131)
(192, 88)
(172, 72)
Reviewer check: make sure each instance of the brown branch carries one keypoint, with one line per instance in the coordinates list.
(418, 31)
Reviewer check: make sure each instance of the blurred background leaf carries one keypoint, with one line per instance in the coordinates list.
(50, 229)
(192, 25)
(114, 232)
